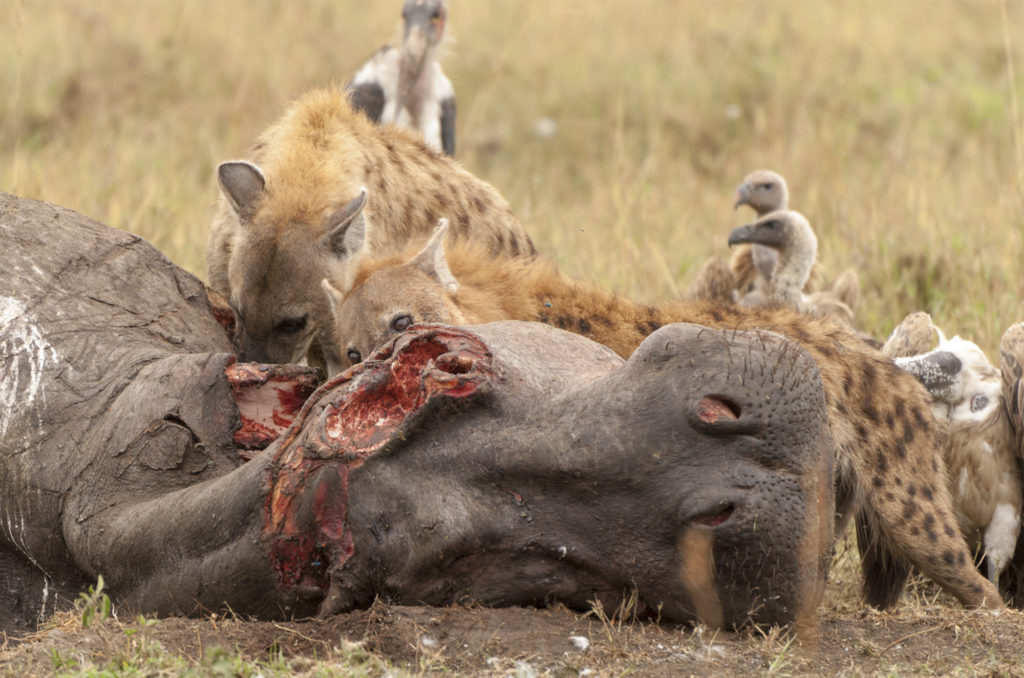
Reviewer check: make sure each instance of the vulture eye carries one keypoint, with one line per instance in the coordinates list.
(354, 356)
(772, 224)
(401, 323)
(979, 402)
(767, 187)
(290, 325)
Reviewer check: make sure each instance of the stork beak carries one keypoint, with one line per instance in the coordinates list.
(742, 195)
(414, 54)
(416, 39)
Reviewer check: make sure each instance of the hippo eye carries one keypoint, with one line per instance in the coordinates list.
(354, 356)
(290, 325)
(401, 323)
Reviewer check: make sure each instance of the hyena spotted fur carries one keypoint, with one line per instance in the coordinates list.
(889, 466)
(288, 213)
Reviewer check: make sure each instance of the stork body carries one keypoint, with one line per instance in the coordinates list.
(405, 85)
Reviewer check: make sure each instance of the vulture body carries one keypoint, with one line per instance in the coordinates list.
(981, 452)
(764, 191)
(789, 234)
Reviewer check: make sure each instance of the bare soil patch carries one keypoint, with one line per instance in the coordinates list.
(914, 639)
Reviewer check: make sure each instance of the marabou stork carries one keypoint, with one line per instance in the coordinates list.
(406, 86)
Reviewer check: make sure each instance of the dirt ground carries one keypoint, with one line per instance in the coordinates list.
(918, 638)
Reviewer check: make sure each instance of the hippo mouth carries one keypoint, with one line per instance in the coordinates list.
(713, 517)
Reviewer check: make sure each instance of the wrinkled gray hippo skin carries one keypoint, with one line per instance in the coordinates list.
(113, 389)
(510, 463)
(576, 486)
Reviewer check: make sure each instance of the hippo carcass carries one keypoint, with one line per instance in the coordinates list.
(510, 463)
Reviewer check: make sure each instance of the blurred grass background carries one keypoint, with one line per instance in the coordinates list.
(899, 126)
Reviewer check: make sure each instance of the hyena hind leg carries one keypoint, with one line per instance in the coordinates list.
(918, 526)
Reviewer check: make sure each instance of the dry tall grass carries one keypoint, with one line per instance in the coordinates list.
(899, 126)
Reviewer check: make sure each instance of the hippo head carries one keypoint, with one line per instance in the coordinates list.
(513, 463)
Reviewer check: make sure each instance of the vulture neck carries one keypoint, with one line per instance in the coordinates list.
(793, 269)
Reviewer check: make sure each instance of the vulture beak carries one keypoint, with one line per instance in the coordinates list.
(937, 371)
(742, 195)
(767, 231)
(743, 234)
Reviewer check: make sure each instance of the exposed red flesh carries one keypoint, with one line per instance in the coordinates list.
(269, 397)
(359, 411)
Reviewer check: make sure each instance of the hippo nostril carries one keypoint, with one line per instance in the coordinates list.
(713, 408)
(715, 517)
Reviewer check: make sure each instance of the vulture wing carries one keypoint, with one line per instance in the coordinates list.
(913, 336)
(1011, 365)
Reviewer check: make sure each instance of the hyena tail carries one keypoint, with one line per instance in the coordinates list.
(884, 574)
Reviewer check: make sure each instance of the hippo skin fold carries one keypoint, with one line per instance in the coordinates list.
(502, 464)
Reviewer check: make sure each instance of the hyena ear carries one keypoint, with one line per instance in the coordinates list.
(333, 294)
(243, 183)
(346, 228)
(431, 259)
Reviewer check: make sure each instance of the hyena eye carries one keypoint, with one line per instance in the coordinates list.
(354, 356)
(290, 325)
(401, 323)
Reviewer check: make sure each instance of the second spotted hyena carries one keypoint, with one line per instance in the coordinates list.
(288, 214)
(888, 446)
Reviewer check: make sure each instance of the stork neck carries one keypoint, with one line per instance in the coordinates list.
(412, 79)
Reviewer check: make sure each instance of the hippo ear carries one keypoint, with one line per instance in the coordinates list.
(431, 259)
(243, 183)
(346, 228)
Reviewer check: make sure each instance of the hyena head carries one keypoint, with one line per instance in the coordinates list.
(377, 300)
(275, 269)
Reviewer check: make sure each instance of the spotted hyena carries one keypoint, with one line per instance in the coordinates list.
(288, 214)
(890, 470)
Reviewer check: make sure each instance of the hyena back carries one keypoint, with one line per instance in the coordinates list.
(887, 443)
(288, 214)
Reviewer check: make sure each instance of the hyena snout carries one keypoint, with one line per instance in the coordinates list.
(271, 347)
